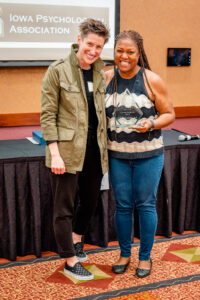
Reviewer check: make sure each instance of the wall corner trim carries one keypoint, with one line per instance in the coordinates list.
(187, 111)
(23, 119)
(19, 119)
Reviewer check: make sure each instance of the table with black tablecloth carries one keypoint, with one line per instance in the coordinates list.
(26, 205)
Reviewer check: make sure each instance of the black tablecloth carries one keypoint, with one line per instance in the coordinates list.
(26, 204)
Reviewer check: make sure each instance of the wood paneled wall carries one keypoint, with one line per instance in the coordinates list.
(162, 23)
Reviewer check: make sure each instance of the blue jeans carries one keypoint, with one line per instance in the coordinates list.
(135, 183)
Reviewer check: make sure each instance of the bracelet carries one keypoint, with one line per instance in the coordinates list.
(152, 124)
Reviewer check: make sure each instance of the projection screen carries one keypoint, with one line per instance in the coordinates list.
(43, 30)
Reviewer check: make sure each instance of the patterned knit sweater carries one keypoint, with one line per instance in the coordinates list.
(127, 103)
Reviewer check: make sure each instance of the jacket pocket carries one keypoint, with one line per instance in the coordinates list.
(65, 134)
(69, 97)
(70, 88)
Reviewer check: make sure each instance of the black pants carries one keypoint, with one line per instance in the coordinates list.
(65, 187)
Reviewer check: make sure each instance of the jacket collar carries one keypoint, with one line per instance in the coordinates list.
(97, 65)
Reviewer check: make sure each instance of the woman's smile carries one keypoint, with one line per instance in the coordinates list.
(126, 57)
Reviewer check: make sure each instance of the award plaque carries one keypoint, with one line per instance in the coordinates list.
(128, 113)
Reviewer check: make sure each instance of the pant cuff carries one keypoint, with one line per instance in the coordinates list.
(67, 254)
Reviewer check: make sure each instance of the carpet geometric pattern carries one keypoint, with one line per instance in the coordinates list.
(175, 273)
(139, 296)
(183, 253)
(186, 291)
(98, 274)
(102, 276)
(190, 255)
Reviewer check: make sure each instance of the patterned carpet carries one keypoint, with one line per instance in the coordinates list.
(175, 275)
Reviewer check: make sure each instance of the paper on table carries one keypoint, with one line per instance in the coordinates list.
(32, 140)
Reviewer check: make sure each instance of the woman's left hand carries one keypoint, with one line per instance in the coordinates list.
(142, 126)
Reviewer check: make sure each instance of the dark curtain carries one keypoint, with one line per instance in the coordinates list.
(26, 206)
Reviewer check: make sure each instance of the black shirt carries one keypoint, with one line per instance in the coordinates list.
(92, 117)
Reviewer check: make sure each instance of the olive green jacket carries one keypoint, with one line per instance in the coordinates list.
(64, 116)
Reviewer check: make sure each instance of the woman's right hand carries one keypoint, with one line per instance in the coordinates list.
(57, 163)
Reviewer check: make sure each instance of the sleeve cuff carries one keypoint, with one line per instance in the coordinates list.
(50, 142)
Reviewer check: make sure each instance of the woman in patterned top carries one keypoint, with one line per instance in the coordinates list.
(137, 107)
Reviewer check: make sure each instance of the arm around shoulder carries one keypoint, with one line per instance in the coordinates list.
(109, 76)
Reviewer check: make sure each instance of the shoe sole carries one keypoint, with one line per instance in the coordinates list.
(81, 259)
(79, 277)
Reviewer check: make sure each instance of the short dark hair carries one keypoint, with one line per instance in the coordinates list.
(94, 26)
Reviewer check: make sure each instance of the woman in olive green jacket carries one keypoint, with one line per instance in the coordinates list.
(73, 123)
(64, 116)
